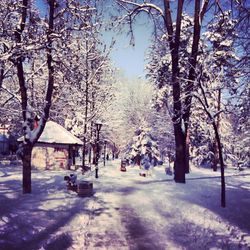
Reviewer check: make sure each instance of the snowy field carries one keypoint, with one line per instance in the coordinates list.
(127, 211)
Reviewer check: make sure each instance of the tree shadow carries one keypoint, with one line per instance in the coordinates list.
(138, 234)
(208, 196)
(189, 235)
(27, 222)
(237, 207)
(108, 188)
(33, 228)
(62, 242)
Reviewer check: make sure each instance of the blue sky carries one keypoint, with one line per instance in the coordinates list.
(129, 59)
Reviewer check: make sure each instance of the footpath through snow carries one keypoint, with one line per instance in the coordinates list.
(127, 211)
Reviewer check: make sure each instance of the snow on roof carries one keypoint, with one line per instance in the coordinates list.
(55, 133)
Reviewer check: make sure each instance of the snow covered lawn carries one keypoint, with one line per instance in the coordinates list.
(127, 211)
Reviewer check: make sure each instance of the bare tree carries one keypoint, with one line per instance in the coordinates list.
(31, 133)
(181, 107)
(203, 100)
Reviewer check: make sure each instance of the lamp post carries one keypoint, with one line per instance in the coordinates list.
(98, 128)
(104, 159)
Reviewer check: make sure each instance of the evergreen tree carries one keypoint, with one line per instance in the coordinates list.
(142, 147)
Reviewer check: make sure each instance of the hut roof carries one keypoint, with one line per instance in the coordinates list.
(56, 134)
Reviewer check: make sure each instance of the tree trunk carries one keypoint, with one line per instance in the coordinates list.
(26, 160)
(191, 78)
(104, 158)
(216, 155)
(94, 154)
(19, 60)
(198, 16)
(187, 143)
(90, 153)
(215, 144)
(84, 145)
(86, 102)
(223, 185)
(27, 148)
(180, 153)
(50, 60)
(179, 164)
(174, 44)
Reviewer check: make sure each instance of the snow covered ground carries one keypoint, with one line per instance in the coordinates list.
(127, 211)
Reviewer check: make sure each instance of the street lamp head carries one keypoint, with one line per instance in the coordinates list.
(98, 125)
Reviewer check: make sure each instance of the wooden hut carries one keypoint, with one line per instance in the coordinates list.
(56, 148)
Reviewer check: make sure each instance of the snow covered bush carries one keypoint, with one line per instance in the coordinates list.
(143, 148)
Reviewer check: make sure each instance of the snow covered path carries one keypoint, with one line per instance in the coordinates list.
(126, 211)
(156, 213)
